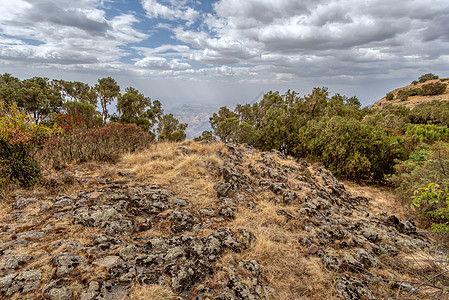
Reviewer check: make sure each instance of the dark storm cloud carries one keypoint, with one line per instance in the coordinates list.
(48, 11)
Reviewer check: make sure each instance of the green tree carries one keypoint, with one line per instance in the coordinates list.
(169, 129)
(107, 90)
(134, 107)
(39, 97)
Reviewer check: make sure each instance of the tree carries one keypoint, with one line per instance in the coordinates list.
(225, 124)
(107, 90)
(134, 107)
(169, 129)
(39, 97)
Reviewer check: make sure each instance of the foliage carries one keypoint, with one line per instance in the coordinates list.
(427, 133)
(438, 199)
(134, 107)
(169, 129)
(107, 90)
(19, 134)
(390, 96)
(428, 76)
(328, 128)
(428, 163)
(435, 112)
(205, 136)
(96, 144)
(433, 88)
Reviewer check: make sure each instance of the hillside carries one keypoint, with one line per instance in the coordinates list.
(211, 221)
(413, 101)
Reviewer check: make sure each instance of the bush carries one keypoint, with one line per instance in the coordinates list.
(390, 96)
(96, 144)
(19, 134)
(433, 88)
(426, 164)
(436, 199)
(403, 95)
(428, 76)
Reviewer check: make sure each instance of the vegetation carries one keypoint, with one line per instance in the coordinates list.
(393, 145)
(49, 123)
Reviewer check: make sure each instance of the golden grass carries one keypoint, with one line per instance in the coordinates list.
(152, 291)
(186, 176)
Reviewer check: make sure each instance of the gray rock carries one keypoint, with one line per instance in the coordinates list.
(352, 289)
(25, 282)
(31, 235)
(17, 261)
(22, 202)
(227, 212)
(252, 266)
(57, 290)
(367, 259)
(67, 262)
(207, 212)
(182, 221)
(91, 292)
(222, 188)
(5, 282)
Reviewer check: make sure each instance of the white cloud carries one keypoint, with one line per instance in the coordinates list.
(154, 9)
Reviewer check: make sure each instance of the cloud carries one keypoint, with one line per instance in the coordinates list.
(176, 10)
(160, 63)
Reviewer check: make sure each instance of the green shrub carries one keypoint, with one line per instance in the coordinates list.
(426, 164)
(19, 135)
(433, 88)
(415, 82)
(403, 95)
(390, 96)
(428, 76)
(436, 200)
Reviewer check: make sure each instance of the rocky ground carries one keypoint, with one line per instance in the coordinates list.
(271, 228)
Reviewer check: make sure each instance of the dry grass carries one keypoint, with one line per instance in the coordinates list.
(186, 176)
(383, 198)
(154, 292)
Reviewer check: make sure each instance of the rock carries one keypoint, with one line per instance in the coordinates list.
(227, 212)
(62, 201)
(222, 188)
(252, 266)
(366, 259)
(108, 261)
(290, 197)
(128, 252)
(25, 282)
(57, 290)
(184, 275)
(5, 282)
(349, 263)
(182, 221)
(207, 212)
(22, 202)
(119, 228)
(123, 173)
(352, 289)
(17, 261)
(277, 188)
(91, 292)
(31, 235)
(67, 262)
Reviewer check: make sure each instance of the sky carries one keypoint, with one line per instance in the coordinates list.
(226, 52)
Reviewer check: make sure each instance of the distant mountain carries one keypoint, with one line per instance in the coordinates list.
(416, 93)
(196, 116)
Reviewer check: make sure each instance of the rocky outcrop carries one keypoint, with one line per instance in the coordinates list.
(333, 227)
